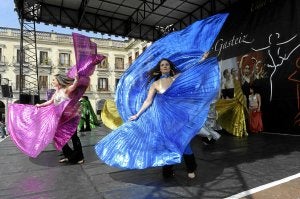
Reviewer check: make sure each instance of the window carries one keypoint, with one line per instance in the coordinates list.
(137, 54)
(18, 56)
(103, 64)
(116, 82)
(64, 59)
(43, 82)
(18, 81)
(1, 57)
(119, 63)
(43, 57)
(130, 60)
(102, 84)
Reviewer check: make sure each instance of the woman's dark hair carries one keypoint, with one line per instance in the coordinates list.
(63, 80)
(85, 97)
(225, 71)
(155, 73)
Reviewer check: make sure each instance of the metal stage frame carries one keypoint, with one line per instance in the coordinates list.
(141, 19)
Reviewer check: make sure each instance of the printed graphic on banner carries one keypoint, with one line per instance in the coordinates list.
(259, 45)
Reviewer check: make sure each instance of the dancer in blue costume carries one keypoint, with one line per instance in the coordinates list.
(159, 134)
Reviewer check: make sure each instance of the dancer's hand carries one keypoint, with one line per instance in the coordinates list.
(134, 117)
(76, 79)
(205, 55)
(38, 105)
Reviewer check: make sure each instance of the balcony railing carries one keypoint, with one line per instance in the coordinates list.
(99, 88)
(119, 68)
(65, 64)
(45, 62)
(44, 88)
(46, 36)
(16, 60)
(64, 38)
(101, 68)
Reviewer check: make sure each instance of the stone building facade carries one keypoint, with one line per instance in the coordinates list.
(55, 54)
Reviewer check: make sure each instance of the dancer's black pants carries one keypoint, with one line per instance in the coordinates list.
(74, 155)
(190, 164)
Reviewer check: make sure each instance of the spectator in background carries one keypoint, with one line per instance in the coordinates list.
(2, 129)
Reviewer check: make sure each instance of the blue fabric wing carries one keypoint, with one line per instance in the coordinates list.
(179, 47)
(160, 135)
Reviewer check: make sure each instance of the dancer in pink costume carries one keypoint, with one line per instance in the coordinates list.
(32, 128)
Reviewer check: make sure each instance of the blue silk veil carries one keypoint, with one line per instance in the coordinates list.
(161, 134)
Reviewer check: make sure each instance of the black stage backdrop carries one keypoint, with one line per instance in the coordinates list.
(261, 41)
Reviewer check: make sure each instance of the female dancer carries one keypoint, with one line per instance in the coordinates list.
(231, 112)
(163, 122)
(32, 128)
(64, 85)
(164, 75)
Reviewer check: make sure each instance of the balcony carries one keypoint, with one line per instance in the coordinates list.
(64, 67)
(102, 68)
(119, 69)
(64, 63)
(16, 61)
(101, 89)
(45, 63)
(44, 88)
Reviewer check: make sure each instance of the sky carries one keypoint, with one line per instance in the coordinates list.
(9, 18)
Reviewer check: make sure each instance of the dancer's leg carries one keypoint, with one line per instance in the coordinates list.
(190, 162)
(77, 155)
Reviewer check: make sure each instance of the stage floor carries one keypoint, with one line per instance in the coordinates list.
(259, 166)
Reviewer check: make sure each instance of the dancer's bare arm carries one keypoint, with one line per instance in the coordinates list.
(147, 102)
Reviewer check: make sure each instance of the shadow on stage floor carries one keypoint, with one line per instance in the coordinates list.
(230, 166)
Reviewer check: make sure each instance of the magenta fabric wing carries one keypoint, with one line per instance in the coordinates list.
(86, 61)
(32, 128)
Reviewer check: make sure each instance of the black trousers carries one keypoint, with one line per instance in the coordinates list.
(87, 123)
(74, 155)
(190, 164)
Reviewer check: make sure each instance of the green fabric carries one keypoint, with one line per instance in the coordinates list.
(87, 109)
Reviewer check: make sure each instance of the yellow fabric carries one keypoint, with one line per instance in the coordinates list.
(110, 115)
(231, 112)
